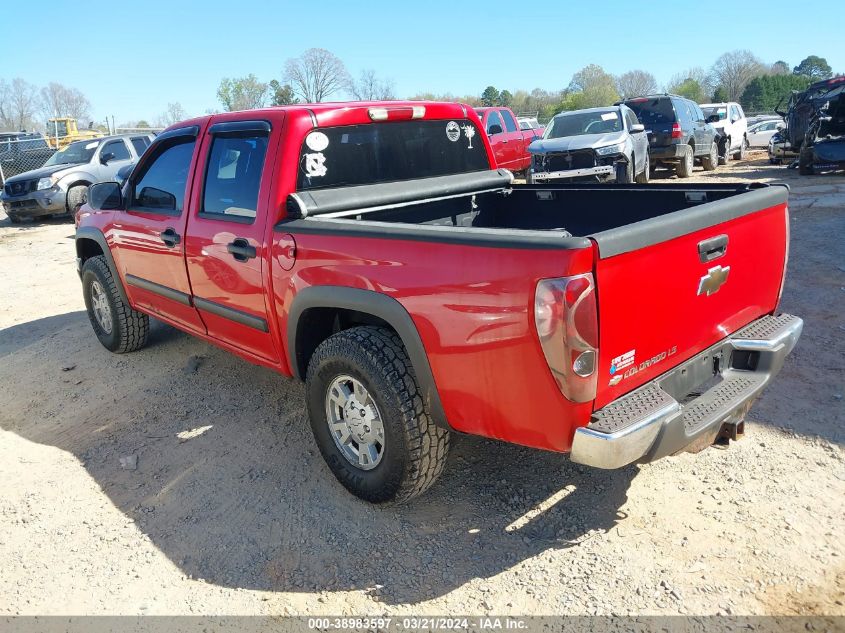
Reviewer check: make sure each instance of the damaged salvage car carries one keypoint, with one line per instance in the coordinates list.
(815, 121)
(592, 145)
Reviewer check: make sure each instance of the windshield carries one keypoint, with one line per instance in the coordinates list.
(579, 123)
(57, 128)
(709, 111)
(80, 152)
(649, 111)
(389, 151)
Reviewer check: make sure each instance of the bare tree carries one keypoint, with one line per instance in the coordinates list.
(316, 74)
(635, 83)
(692, 76)
(245, 93)
(173, 114)
(734, 71)
(60, 101)
(18, 105)
(368, 87)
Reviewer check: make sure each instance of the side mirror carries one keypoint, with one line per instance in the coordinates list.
(637, 127)
(105, 158)
(105, 196)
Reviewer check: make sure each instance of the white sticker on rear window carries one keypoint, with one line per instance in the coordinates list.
(317, 141)
(608, 116)
(453, 131)
(469, 131)
(315, 165)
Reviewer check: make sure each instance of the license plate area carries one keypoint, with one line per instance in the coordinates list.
(694, 377)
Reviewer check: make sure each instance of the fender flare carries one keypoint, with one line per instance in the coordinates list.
(96, 235)
(378, 305)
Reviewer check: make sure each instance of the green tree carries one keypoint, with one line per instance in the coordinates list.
(720, 95)
(764, 93)
(245, 93)
(780, 68)
(281, 94)
(591, 87)
(490, 96)
(691, 89)
(814, 68)
(142, 124)
(505, 99)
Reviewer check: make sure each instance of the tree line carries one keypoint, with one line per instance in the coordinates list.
(735, 76)
(317, 75)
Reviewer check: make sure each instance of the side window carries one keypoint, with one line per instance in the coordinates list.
(739, 111)
(233, 176)
(510, 124)
(699, 113)
(734, 113)
(118, 150)
(140, 143)
(161, 186)
(494, 123)
(632, 118)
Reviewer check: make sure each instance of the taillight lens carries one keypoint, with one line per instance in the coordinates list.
(567, 325)
(676, 130)
(785, 259)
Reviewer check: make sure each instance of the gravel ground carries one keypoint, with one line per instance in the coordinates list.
(182, 480)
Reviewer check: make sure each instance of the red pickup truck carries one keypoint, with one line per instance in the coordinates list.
(509, 142)
(371, 250)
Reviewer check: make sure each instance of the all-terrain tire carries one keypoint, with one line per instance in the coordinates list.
(805, 163)
(129, 328)
(415, 448)
(684, 169)
(76, 196)
(14, 219)
(644, 177)
(710, 161)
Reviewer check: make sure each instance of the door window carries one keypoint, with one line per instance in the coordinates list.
(118, 150)
(140, 143)
(494, 123)
(161, 185)
(510, 124)
(233, 176)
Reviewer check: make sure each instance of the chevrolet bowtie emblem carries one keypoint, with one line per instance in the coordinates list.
(713, 280)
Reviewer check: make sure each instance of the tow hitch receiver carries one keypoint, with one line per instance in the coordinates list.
(730, 431)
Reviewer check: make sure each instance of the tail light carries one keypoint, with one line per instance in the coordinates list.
(676, 130)
(396, 113)
(785, 259)
(567, 325)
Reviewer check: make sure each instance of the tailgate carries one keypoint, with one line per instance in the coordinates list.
(673, 285)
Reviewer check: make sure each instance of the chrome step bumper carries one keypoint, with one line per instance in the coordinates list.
(662, 418)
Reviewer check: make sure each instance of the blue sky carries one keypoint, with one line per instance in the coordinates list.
(160, 52)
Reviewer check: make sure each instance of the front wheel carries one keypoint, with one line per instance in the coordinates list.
(119, 328)
(368, 416)
(805, 163)
(643, 177)
(710, 161)
(743, 147)
(76, 196)
(625, 172)
(725, 156)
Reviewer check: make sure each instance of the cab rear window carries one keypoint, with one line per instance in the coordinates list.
(657, 110)
(389, 151)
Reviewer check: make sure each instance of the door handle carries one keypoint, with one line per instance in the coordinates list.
(241, 249)
(170, 237)
(712, 248)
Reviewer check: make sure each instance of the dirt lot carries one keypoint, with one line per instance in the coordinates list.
(230, 509)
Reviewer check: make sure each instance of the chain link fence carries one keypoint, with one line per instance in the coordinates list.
(22, 152)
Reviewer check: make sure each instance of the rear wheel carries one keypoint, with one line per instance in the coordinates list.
(684, 169)
(368, 416)
(725, 155)
(119, 328)
(710, 161)
(643, 177)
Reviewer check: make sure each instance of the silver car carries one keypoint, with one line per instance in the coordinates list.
(759, 134)
(596, 144)
(61, 184)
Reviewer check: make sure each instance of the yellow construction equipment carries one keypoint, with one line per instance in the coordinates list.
(62, 131)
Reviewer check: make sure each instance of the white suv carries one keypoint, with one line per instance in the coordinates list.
(729, 120)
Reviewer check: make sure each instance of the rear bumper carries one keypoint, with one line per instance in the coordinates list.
(544, 176)
(663, 417)
(665, 152)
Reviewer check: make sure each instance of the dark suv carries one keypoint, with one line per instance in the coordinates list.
(20, 152)
(678, 135)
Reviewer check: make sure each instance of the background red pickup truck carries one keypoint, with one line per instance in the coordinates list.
(371, 250)
(508, 141)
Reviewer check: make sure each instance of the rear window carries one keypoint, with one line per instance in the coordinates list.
(389, 151)
(648, 111)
